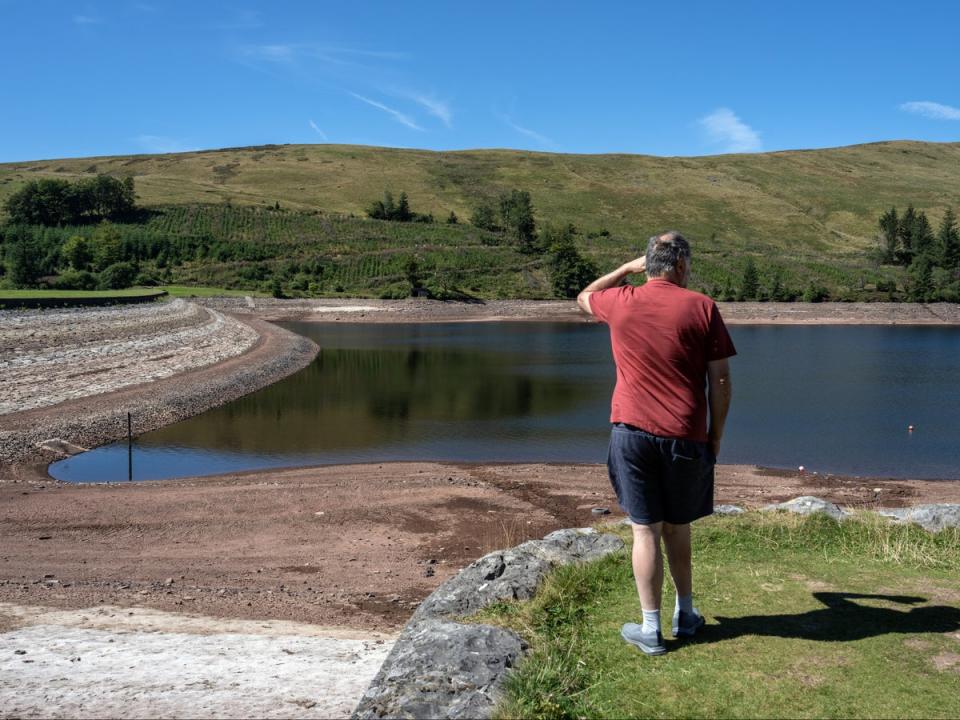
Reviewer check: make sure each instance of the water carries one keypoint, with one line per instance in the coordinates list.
(834, 399)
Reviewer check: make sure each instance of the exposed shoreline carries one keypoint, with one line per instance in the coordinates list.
(418, 310)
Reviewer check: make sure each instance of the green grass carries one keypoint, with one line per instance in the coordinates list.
(203, 292)
(785, 635)
(68, 294)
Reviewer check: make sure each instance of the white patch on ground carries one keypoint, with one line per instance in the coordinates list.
(347, 308)
(129, 663)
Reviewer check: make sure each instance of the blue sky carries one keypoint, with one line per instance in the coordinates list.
(692, 78)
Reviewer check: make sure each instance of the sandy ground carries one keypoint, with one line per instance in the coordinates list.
(341, 553)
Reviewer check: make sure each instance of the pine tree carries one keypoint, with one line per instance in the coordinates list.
(516, 216)
(904, 251)
(402, 212)
(948, 242)
(889, 224)
(751, 282)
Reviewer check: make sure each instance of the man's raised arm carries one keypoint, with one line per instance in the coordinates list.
(610, 280)
(719, 394)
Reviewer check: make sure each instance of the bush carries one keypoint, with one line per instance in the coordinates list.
(146, 279)
(75, 280)
(815, 293)
(485, 218)
(117, 276)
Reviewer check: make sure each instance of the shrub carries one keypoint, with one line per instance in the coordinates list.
(75, 280)
(117, 276)
(815, 293)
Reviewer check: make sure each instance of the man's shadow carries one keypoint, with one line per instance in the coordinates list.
(840, 620)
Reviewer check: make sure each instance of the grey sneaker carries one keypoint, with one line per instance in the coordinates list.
(650, 642)
(687, 624)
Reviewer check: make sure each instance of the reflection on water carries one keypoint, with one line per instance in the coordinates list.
(835, 399)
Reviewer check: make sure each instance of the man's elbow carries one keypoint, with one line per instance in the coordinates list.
(583, 300)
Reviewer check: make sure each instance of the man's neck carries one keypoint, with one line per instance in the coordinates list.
(670, 277)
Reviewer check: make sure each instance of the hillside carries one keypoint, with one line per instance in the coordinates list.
(813, 213)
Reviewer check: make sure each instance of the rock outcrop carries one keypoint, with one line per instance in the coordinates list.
(443, 668)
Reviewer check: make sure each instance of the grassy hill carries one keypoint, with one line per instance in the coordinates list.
(813, 213)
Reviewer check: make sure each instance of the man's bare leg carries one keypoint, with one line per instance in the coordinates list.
(676, 540)
(648, 564)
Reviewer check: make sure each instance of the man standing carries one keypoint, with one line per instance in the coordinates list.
(671, 348)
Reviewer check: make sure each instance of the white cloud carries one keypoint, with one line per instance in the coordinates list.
(86, 20)
(725, 129)
(243, 20)
(932, 110)
(161, 144)
(270, 53)
(321, 133)
(437, 108)
(542, 139)
(397, 115)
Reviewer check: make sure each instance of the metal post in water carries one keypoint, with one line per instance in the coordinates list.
(129, 447)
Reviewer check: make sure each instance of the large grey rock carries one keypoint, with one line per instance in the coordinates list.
(932, 518)
(808, 505)
(728, 510)
(441, 669)
(514, 574)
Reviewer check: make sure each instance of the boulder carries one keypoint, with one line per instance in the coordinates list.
(808, 505)
(728, 510)
(514, 574)
(440, 668)
(933, 518)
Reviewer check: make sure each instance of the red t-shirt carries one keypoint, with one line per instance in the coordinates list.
(663, 336)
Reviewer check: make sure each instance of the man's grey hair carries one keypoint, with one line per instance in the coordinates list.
(664, 252)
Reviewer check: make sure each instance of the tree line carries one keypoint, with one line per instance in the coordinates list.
(512, 216)
(932, 258)
(53, 202)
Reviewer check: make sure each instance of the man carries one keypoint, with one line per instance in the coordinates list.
(669, 345)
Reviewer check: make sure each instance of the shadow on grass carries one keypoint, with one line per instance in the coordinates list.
(841, 620)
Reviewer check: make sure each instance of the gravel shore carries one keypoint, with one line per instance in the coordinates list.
(68, 378)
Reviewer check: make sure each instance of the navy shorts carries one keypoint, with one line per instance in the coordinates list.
(660, 479)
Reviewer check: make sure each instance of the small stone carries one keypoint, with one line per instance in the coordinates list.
(600, 511)
(19, 652)
(168, 582)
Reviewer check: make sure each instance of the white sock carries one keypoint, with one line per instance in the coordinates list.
(685, 603)
(651, 620)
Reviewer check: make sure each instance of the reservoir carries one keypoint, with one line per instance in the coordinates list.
(835, 399)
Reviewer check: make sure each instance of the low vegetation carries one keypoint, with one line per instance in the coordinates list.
(807, 617)
(300, 221)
